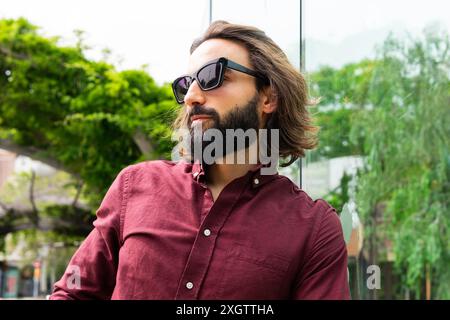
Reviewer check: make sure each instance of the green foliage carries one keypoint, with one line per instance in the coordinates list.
(82, 113)
(345, 87)
(407, 167)
(339, 197)
(394, 111)
(343, 94)
(335, 126)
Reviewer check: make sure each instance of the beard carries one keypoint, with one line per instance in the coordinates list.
(240, 117)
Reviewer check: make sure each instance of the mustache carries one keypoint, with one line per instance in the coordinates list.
(202, 110)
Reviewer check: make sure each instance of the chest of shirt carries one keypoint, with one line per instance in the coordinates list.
(245, 239)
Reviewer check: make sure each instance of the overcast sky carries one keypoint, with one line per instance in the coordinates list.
(159, 33)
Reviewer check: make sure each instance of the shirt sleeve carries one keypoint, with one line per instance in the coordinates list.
(324, 274)
(91, 272)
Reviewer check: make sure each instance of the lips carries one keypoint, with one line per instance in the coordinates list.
(199, 117)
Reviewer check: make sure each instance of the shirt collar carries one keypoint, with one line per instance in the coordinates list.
(257, 179)
(197, 171)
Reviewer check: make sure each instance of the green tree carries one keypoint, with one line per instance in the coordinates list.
(343, 94)
(407, 163)
(394, 112)
(77, 115)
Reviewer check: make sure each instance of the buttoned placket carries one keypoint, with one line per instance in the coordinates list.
(204, 245)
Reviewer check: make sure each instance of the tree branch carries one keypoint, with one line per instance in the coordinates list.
(79, 222)
(3, 206)
(34, 216)
(77, 196)
(47, 224)
(8, 52)
(34, 154)
(144, 144)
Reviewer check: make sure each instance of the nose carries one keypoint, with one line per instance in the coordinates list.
(194, 96)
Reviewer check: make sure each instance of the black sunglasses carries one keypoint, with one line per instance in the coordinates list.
(209, 77)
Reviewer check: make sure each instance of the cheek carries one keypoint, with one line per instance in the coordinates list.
(230, 95)
(222, 100)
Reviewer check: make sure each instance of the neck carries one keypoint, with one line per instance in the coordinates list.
(220, 174)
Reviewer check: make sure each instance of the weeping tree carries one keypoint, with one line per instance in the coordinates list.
(79, 116)
(403, 190)
(394, 112)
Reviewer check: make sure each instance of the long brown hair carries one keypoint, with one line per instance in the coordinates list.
(291, 117)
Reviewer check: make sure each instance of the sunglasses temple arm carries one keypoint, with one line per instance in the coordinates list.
(238, 67)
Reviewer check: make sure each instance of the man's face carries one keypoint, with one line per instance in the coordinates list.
(236, 103)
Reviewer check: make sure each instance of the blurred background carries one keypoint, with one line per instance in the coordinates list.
(85, 91)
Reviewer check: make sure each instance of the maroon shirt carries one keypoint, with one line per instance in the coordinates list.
(160, 235)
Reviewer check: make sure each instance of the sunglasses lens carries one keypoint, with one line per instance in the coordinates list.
(181, 87)
(209, 76)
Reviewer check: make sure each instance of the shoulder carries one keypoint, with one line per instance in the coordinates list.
(318, 213)
(318, 219)
(154, 169)
(301, 199)
(149, 166)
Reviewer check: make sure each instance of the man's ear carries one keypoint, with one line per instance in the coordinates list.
(269, 100)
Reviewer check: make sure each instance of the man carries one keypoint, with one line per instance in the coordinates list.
(191, 230)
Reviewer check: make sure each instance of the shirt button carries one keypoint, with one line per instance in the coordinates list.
(256, 181)
(189, 285)
(207, 232)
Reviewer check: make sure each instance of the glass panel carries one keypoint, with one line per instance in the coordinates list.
(338, 33)
(382, 71)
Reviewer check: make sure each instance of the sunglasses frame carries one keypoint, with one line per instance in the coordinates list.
(225, 63)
